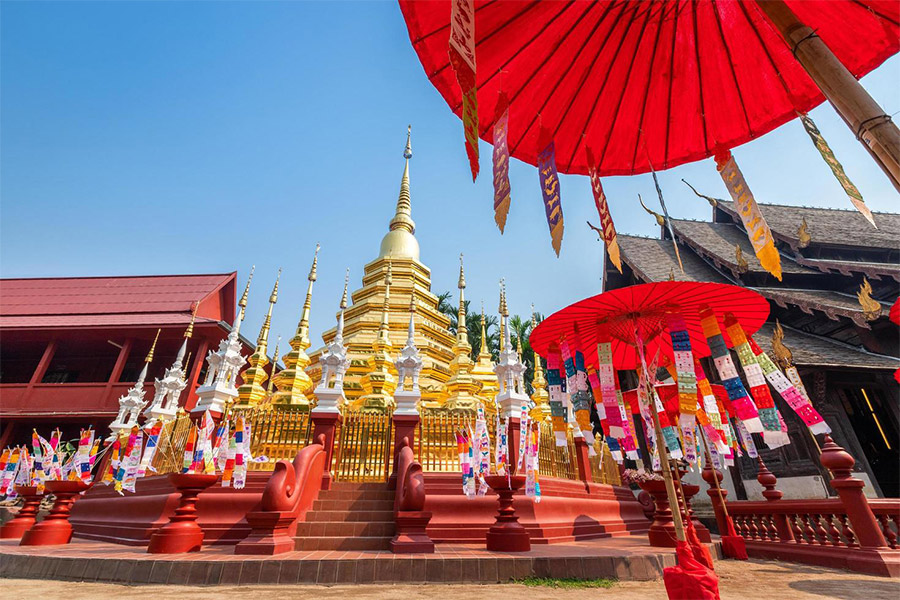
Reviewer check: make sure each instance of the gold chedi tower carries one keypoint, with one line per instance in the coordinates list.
(483, 372)
(541, 398)
(380, 382)
(252, 391)
(411, 282)
(462, 388)
(293, 384)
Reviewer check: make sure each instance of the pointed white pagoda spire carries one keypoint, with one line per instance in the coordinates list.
(510, 370)
(330, 391)
(132, 402)
(409, 365)
(168, 389)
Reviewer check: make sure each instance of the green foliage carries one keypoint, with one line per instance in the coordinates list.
(567, 583)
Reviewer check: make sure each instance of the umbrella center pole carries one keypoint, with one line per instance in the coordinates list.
(860, 111)
(712, 466)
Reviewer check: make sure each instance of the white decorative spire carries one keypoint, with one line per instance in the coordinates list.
(132, 402)
(510, 370)
(330, 391)
(409, 365)
(168, 389)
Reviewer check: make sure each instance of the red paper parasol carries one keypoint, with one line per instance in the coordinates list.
(645, 307)
(672, 79)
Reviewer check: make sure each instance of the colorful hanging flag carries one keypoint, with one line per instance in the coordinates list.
(470, 489)
(133, 462)
(744, 408)
(713, 428)
(687, 385)
(483, 442)
(206, 463)
(501, 449)
(502, 198)
(837, 168)
(607, 375)
(228, 470)
(757, 229)
(759, 390)
(531, 442)
(187, 465)
(607, 228)
(462, 59)
(556, 389)
(150, 451)
(580, 398)
(113, 467)
(242, 456)
(789, 392)
(83, 456)
(546, 164)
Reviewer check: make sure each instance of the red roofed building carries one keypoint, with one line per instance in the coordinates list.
(71, 346)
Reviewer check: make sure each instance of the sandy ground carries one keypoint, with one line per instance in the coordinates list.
(751, 580)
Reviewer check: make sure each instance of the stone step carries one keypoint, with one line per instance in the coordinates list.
(349, 515)
(356, 495)
(341, 543)
(345, 529)
(356, 485)
(354, 505)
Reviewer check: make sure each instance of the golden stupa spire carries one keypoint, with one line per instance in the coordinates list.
(380, 382)
(293, 384)
(483, 349)
(252, 392)
(242, 304)
(339, 335)
(462, 386)
(400, 240)
(179, 358)
(462, 333)
(541, 398)
(272, 374)
(384, 329)
(147, 360)
(483, 370)
(503, 314)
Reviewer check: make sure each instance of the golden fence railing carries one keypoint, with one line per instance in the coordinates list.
(276, 433)
(364, 446)
(553, 460)
(603, 466)
(169, 457)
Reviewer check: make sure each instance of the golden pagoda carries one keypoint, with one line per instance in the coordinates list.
(293, 384)
(380, 381)
(483, 372)
(541, 398)
(462, 388)
(252, 391)
(411, 282)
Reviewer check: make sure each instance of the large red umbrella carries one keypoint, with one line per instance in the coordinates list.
(668, 79)
(645, 307)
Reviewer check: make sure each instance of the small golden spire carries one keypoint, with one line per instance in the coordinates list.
(403, 213)
(190, 328)
(264, 330)
(149, 357)
(461, 330)
(871, 308)
(184, 372)
(803, 234)
(303, 326)
(503, 310)
(243, 301)
(659, 218)
(483, 351)
(742, 265)
(714, 202)
(783, 355)
(271, 383)
(346, 283)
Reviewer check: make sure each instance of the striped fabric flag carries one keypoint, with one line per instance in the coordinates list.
(113, 467)
(556, 389)
(687, 385)
(837, 168)
(546, 164)
(150, 451)
(187, 465)
(607, 376)
(757, 229)
(462, 59)
(714, 429)
(502, 198)
(607, 228)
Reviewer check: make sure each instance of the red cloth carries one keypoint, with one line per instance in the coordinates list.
(671, 80)
(690, 580)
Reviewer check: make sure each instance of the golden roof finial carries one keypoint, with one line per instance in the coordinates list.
(242, 303)
(461, 284)
(346, 283)
(742, 265)
(659, 218)
(483, 349)
(783, 355)
(264, 330)
(303, 326)
(714, 202)
(672, 274)
(871, 308)
(184, 372)
(403, 213)
(312, 270)
(149, 357)
(190, 328)
(803, 236)
(503, 310)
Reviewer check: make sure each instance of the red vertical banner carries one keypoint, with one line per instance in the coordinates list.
(501, 162)
(546, 164)
(462, 58)
(607, 228)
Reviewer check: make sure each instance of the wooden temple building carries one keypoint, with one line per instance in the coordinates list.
(829, 315)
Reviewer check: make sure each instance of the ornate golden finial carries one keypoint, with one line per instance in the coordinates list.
(190, 328)
(184, 372)
(264, 330)
(346, 283)
(503, 310)
(273, 297)
(312, 270)
(659, 218)
(407, 152)
(303, 326)
(412, 303)
(871, 307)
(149, 357)
(803, 234)
(672, 274)
(714, 202)
(403, 213)
(533, 319)
(783, 355)
(742, 265)
(461, 284)
(243, 301)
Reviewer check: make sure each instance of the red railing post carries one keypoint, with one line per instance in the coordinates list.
(850, 490)
(767, 480)
(583, 458)
(717, 501)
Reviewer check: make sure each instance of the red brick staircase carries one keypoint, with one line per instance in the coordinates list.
(349, 516)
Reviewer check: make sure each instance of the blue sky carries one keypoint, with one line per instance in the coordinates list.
(168, 137)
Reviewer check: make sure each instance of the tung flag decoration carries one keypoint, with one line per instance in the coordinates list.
(546, 164)
(757, 229)
(501, 162)
(837, 168)
(607, 229)
(462, 58)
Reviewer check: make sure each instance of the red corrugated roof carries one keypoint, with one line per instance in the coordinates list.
(87, 301)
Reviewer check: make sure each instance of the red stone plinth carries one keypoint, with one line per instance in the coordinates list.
(507, 534)
(181, 533)
(662, 530)
(411, 537)
(55, 528)
(690, 491)
(24, 520)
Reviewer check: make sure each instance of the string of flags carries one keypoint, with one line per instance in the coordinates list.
(48, 460)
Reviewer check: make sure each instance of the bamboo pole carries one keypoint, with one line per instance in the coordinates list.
(860, 111)
(667, 476)
(713, 467)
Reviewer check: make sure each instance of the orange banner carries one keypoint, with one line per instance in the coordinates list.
(607, 228)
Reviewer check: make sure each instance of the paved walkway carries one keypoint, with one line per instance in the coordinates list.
(750, 580)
